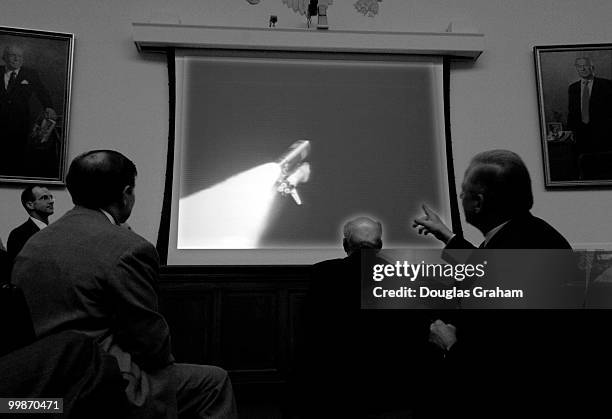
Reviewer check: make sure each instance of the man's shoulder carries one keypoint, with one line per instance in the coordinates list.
(536, 222)
(604, 84)
(530, 232)
(25, 72)
(26, 225)
(27, 228)
(91, 226)
(327, 268)
(329, 264)
(602, 80)
(552, 233)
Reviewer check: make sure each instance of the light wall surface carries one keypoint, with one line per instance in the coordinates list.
(120, 97)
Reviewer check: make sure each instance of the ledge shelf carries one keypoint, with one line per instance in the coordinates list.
(157, 37)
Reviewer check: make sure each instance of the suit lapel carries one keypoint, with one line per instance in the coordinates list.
(3, 90)
(20, 78)
(595, 91)
(33, 227)
(12, 88)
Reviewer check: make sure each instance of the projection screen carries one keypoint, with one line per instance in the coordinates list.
(274, 151)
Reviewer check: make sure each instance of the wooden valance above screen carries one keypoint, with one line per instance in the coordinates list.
(157, 37)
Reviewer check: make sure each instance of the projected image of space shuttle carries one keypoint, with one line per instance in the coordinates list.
(293, 169)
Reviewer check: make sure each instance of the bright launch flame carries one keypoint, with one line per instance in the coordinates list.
(230, 215)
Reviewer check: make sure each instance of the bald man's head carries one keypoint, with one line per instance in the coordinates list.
(362, 233)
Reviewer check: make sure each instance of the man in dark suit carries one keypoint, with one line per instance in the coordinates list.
(88, 273)
(496, 197)
(17, 88)
(38, 202)
(353, 362)
(590, 109)
(503, 347)
(590, 118)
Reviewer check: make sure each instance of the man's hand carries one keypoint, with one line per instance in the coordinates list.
(442, 334)
(430, 223)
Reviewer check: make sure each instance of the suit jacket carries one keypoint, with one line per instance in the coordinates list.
(15, 118)
(352, 360)
(504, 347)
(14, 102)
(4, 266)
(84, 273)
(594, 136)
(67, 365)
(521, 232)
(19, 236)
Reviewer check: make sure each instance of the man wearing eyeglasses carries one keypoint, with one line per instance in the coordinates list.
(38, 202)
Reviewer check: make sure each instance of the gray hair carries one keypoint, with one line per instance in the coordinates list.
(505, 180)
(362, 233)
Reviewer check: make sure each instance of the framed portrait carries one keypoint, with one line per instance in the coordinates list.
(35, 83)
(574, 84)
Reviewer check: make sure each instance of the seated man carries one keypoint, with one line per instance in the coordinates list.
(88, 274)
(355, 362)
(497, 198)
(65, 365)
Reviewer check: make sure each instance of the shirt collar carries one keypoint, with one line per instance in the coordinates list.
(494, 231)
(38, 223)
(110, 217)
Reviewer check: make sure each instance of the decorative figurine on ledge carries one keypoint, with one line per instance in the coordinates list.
(312, 11)
(311, 8)
(367, 7)
(322, 20)
(273, 20)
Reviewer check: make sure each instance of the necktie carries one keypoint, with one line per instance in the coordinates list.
(584, 102)
(11, 81)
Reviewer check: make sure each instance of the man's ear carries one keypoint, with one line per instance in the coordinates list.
(127, 191)
(29, 205)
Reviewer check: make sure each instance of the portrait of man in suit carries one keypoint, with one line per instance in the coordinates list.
(590, 117)
(575, 96)
(20, 85)
(35, 81)
(590, 108)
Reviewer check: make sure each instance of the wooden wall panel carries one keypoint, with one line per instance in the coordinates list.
(250, 330)
(244, 319)
(190, 317)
